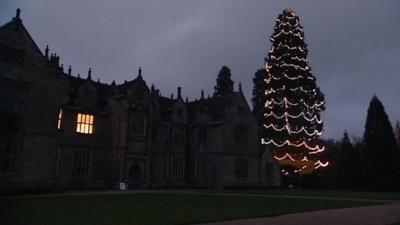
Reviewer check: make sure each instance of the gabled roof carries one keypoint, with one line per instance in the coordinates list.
(16, 26)
(137, 82)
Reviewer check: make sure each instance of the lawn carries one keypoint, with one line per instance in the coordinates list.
(322, 193)
(152, 208)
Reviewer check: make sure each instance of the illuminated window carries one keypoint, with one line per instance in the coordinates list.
(60, 114)
(84, 123)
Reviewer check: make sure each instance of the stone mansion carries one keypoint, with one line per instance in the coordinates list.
(67, 132)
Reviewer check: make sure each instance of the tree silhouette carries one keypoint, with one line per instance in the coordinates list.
(224, 82)
(397, 132)
(381, 151)
(259, 97)
(350, 172)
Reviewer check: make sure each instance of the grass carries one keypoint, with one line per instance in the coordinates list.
(323, 193)
(152, 208)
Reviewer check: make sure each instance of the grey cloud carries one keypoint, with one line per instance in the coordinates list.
(354, 46)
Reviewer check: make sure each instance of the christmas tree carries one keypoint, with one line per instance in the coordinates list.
(294, 103)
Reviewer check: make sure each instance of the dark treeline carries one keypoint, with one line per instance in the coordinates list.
(367, 163)
(370, 162)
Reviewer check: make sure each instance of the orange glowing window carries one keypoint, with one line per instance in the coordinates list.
(60, 114)
(84, 123)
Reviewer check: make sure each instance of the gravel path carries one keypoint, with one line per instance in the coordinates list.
(370, 215)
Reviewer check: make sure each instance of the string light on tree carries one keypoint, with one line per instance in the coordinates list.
(293, 102)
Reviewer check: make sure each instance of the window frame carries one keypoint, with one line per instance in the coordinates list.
(201, 167)
(59, 119)
(175, 167)
(9, 159)
(82, 162)
(138, 124)
(85, 123)
(177, 133)
(241, 168)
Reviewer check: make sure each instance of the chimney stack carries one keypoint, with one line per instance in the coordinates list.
(89, 77)
(17, 16)
(46, 52)
(140, 73)
(179, 92)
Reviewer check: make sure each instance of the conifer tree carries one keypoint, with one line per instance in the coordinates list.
(224, 82)
(349, 163)
(380, 151)
(294, 102)
(397, 132)
(259, 99)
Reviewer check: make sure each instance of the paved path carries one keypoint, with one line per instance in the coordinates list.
(370, 215)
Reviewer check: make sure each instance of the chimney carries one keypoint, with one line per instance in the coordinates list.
(140, 73)
(202, 94)
(179, 92)
(46, 52)
(69, 70)
(89, 77)
(17, 16)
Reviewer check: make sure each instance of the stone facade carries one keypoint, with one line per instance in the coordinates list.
(62, 131)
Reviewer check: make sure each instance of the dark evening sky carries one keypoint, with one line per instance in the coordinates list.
(354, 46)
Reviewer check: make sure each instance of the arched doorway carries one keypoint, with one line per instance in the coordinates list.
(135, 176)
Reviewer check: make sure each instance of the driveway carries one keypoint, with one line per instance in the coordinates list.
(370, 215)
